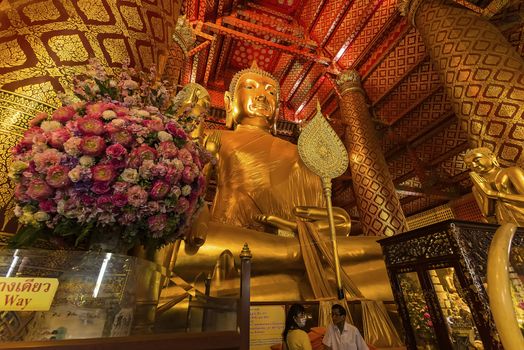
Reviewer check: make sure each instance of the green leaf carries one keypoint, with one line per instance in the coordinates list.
(26, 236)
(86, 230)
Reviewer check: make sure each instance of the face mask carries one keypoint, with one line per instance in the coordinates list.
(300, 321)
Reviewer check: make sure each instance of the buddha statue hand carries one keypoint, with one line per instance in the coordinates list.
(319, 216)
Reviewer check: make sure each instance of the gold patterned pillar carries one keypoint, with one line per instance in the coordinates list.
(482, 73)
(44, 43)
(184, 39)
(377, 201)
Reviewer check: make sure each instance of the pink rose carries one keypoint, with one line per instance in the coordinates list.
(176, 131)
(57, 176)
(48, 158)
(138, 155)
(103, 172)
(157, 223)
(90, 126)
(136, 196)
(116, 151)
(429, 323)
(122, 137)
(92, 145)
(167, 150)
(187, 175)
(21, 193)
(173, 175)
(100, 187)
(159, 190)
(119, 199)
(121, 111)
(39, 117)
(38, 190)
(63, 114)
(159, 170)
(95, 110)
(120, 187)
(59, 137)
(104, 202)
(87, 200)
(185, 156)
(426, 315)
(182, 205)
(30, 134)
(47, 205)
(155, 125)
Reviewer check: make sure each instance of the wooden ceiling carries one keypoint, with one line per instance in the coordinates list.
(305, 43)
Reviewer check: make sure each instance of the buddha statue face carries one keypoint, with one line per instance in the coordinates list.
(252, 101)
(481, 160)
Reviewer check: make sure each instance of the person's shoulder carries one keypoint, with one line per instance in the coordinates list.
(350, 327)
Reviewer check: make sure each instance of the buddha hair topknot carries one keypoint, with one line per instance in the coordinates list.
(253, 69)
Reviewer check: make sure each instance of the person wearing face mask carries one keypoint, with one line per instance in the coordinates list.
(340, 335)
(295, 338)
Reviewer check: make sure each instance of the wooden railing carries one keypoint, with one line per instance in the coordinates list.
(173, 341)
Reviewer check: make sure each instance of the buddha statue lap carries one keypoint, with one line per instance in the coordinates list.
(263, 184)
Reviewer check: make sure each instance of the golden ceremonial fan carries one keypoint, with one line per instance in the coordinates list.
(323, 152)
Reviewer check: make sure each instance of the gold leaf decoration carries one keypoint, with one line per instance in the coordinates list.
(321, 149)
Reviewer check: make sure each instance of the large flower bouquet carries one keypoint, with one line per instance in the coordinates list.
(113, 157)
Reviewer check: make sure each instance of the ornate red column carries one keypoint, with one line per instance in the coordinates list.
(482, 73)
(377, 201)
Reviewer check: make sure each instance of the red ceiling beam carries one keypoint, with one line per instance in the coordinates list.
(316, 16)
(388, 34)
(217, 28)
(361, 25)
(336, 22)
(294, 88)
(261, 30)
(311, 93)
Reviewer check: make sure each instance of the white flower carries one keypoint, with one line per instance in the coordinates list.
(41, 216)
(75, 173)
(164, 136)
(142, 113)
(86, 161)
(71, 146)
(60, 206)
(18, 210)
(108, 114)
(130, 175)
(178, 164)
(186, 190)
(50, 125)
(118, 122)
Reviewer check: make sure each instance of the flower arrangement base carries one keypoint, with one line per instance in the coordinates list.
(98, 293)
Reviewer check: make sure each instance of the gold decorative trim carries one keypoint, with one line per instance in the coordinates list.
(349, 80)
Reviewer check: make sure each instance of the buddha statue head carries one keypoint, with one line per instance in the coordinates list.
(481, 160)
(252, 99)
(195, 98)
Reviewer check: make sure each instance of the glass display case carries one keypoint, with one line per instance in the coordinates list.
(438, 278)
(98, 294)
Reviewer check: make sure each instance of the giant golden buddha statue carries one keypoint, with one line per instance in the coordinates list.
(263, 184)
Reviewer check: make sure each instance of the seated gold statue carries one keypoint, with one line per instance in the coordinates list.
(263, 183)
(498, 191)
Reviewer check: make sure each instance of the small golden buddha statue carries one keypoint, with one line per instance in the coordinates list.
(498, 191)
(262, 182)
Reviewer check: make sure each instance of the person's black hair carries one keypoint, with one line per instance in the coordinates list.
(340, 309)
(293, 311)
